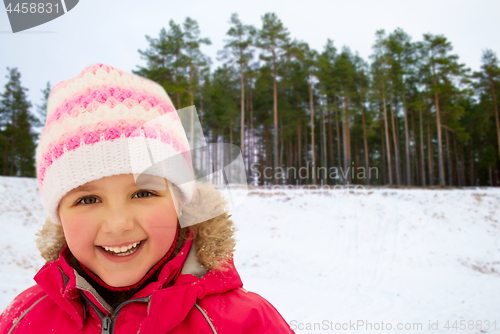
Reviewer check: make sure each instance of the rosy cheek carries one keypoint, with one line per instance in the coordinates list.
(79, 236)
(161, 229)
(162, 217)
(159, 221)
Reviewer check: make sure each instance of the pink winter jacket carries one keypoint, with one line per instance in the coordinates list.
(195, 301)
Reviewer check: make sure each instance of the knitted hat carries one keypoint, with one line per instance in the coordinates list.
(106, 122)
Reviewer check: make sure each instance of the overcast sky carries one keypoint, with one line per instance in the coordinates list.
(112, 31)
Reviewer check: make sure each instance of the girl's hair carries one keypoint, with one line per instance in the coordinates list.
(214, 238)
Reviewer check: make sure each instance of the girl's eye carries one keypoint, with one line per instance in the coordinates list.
(87, 200)
(93, 200)
(143, 194)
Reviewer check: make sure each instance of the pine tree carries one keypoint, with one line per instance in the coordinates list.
(307, 59)
(273, 39)
(195, 61)
(380, 73)
(16, 135)
(362, 89)
(294, 100)
(165, 61)
(441, 68)
(402, 57)
(346, 83)
(328, 86)
(488, 83)
(42, 108)
(176, 45)
(238, 51)
(220, 90)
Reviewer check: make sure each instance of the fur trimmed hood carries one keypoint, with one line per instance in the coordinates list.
(213, 238)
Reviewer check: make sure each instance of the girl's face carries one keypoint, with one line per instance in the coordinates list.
(118, 230)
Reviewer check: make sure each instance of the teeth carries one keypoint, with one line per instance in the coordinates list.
(120, 249)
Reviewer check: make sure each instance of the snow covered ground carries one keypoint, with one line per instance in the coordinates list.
(335, 259)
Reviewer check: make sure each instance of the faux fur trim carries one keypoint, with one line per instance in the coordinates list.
(214, 238)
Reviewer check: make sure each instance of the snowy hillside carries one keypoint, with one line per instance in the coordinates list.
(334, 258)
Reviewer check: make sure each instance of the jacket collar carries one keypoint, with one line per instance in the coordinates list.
(180, 298)
(181, 282)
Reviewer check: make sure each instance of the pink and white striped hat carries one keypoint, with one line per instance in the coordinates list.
(106, 122)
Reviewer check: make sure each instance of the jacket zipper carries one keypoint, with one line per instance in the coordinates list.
(108, 322)
(106, 325)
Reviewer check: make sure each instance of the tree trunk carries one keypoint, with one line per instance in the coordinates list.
(365, 139)
(422, 158)
(13, 151)
(252, 133)
(355, 160)
(495, 104)
(472, 172)
(347, 139)
(323, 144)
(438, 125)
(462, 165)
(330, 139)
(394, 139)
(175, 80)
(387, 145)
(490, 176)
(448, 157)
(407, 140)
(269, 156)
(457, 162)
(191, 90)
(242, 125)
(191, 95)
(462, 162)
(299, 143)
(311, 111)
(217, 158)
(349, 152)
(401, 167)
(306, 149)
(246, 156)
(275, 115)
(429, 148)
(5, 156)
(337, 130)
(291, 158)
(230, 133)
(384, 167)
(281, 145)
(413, 151)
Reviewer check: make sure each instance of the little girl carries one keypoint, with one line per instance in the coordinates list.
(118, 260)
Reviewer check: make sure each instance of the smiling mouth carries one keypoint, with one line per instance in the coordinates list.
(126, 252)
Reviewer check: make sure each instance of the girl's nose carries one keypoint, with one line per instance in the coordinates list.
(117, 221)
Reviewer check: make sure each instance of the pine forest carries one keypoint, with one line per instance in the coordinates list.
(410, 115)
